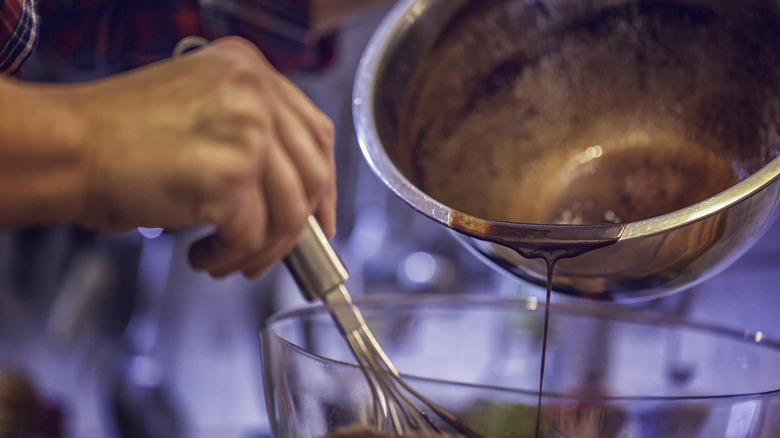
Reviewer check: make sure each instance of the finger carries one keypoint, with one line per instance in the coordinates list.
(316, 121)
(240, 231)
(287, 209)
(282, 88)
(255, 265)
(288, 206)
(316, 169)
(322, 129)
(206, 254)
(326, 212)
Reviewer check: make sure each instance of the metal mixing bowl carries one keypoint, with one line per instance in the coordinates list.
(648, 129)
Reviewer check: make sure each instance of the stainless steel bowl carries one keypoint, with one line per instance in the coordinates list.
(648, 129)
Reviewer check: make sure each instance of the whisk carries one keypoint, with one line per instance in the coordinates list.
(321, 276)
(398, 408)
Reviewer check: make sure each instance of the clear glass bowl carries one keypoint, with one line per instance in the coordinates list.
(609, 372)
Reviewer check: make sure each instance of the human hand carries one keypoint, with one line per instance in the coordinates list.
(215, 137)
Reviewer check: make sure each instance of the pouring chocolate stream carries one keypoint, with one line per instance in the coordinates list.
(549, 243)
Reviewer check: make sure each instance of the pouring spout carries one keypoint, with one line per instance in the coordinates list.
(538, 240)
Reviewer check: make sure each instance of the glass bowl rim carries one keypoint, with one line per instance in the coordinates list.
(609, 311)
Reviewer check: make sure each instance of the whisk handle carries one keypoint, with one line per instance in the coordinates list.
(314, 264)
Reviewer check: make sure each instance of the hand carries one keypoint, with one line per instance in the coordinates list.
(214, 137)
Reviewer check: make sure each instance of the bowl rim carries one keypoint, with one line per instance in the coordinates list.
(400, 17)
(590, 310)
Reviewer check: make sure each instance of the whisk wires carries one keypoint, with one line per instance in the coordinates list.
(395, 409)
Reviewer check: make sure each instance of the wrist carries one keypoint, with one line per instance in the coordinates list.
(74, 144)
(42, 158)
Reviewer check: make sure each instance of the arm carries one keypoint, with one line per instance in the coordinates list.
(216, 137)
(42, 159)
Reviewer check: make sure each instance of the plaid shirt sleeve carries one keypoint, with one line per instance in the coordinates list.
(101, 37)
(109, 36)
(18, 34)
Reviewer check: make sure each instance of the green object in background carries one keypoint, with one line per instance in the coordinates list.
(581, 420)
(499, 420)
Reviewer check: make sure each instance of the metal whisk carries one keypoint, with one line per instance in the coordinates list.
(398, 408)
(321, 276)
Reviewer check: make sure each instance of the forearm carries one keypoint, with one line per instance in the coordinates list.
(42, 157)
(216, 137)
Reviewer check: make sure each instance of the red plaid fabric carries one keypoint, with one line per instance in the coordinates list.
(109, 36)
(115, 35)
(18, 33)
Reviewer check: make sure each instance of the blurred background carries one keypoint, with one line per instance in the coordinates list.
(115, 336)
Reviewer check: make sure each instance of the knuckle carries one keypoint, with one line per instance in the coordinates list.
(241, 46)
(321, 177)
(326, 128)
(292, 224)
(251, 129)
(221, 200)
(244, 65)
(326, 125)
(253, 273)
(236, 173)
(255, 241)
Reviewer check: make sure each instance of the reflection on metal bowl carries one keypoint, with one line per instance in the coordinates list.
(647, 129)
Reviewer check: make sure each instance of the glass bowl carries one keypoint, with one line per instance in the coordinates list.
(609, 372)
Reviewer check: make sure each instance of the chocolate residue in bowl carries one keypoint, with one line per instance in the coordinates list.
(621, 114)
